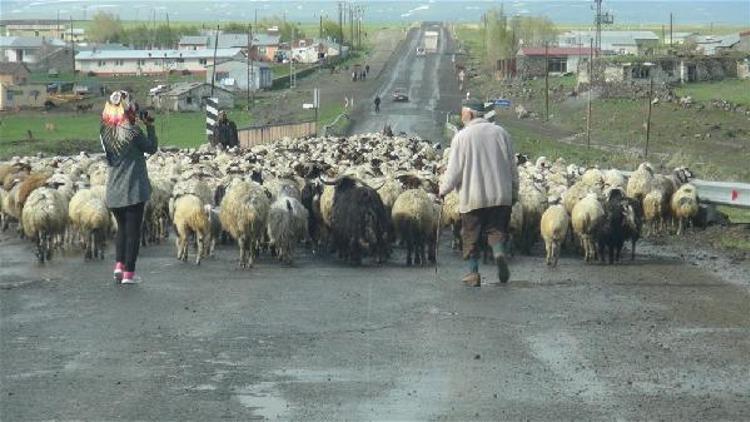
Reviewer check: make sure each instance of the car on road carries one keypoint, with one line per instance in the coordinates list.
(420, 51)
(400, 95)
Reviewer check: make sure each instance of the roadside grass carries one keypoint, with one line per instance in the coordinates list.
(736, 215)
(74, 132)
(734, 90)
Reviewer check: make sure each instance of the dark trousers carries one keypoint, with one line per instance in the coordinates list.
(128, 237)
(493, 221)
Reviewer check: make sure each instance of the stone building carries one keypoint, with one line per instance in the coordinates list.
(190, 96)
(531, 61)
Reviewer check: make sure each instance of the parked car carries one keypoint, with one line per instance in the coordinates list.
(400, 95)
(420, 51)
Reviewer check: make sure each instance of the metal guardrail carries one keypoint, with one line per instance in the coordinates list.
(733, 194)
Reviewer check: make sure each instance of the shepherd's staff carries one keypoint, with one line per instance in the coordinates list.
(437, 236)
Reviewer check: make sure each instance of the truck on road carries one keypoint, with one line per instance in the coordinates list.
(430, 41)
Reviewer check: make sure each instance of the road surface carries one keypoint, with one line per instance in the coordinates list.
(430, 83)
(665, 337)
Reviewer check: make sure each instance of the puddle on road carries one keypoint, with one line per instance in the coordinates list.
(264, 399)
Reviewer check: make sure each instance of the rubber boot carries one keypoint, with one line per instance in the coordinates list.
(500, 250)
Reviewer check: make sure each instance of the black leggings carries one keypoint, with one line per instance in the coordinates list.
(128, 237)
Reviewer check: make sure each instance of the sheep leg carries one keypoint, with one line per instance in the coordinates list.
(679, 226)
(555, 253)
(200, 243)
(242, 242)
(632, 249)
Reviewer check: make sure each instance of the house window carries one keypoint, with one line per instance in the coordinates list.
(101, 63)
(203, 61)
(180, 60)
(119, 62)
(189, 100)
(557, 65)
(262, 50)
(639, 72)
(141, 62)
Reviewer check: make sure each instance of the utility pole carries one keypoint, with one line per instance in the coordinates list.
(213, 74)
(72, 47)
(58, 24)
(351, 25)
(341, 24)
(292, 78)
(591, 88)
(320, 27)
(546, 81)
(648, 116)
(671, 27)
(256, 19)
(599, 20)
(249, 53)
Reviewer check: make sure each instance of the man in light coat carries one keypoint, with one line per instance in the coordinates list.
(482, 169)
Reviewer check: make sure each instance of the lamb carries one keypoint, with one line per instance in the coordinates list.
(215, 228)
(640, 182)
(684, 206)
(554, 228)
(190, 218)
(287, 225)
(243, 215)
(633, 223)
(533, 199)
(586, 215)
(593, 177)
(655, 210)
(44, 217)
(156, 211)
(412, 217)
(89, 216)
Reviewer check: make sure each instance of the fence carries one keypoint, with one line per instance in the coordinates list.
(256, 135)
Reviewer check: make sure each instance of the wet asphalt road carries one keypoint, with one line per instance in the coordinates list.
(657, 339)
(654, 339)
(429, 81)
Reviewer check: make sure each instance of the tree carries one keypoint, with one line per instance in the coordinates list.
(105, 27)
(287, 30)
(234, 28)
(331, 29)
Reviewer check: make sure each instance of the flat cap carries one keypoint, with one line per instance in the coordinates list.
(473, 104)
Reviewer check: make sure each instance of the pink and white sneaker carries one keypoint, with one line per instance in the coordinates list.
(128, 277)
(117, 273)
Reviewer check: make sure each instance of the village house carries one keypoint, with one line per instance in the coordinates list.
(530, 61)
(150, 62)
(637, 43)
(712, 44)
(29, 50)
(22, 96)
(14, 73)
(263, 46)
(233, 75)
(744, 44)
(189, 96)
(667, 69)
(48, 28)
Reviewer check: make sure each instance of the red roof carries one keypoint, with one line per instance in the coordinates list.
(556, 51)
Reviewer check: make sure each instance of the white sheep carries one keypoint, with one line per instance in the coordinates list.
(614, 178)
(554, 228)
(287, 225)
(243, 215)
(412, 217)
(90, 218)
(190, 217)
(45, 216)
(585, 217)
(684, 206)
(640, 182)
(452, 217)
(655, 210)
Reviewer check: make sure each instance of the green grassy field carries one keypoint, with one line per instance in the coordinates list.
(735, 90)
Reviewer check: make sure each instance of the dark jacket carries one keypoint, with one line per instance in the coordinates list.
(128, 182)
(225, 133)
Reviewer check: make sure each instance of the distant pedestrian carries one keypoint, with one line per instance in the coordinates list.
(128, 186)
(225, 132)
(367, 69)
(354, 76)
(363, 75)
(377, 103)
(346, 102)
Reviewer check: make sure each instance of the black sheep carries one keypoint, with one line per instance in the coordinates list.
(359, 222)
(610, 233)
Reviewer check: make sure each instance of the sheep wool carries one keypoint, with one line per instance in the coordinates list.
(585, 217)
(554, 228)
(287, 225)
(190, 217)
(44, 217)
(243, 215)
(412, 217)
(684, 206)
(640, 182)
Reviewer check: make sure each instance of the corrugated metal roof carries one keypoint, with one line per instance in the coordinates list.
(556, 51)
(194, 40)
(157, 54)
(29, 42)
(609, 38)
(185, 87)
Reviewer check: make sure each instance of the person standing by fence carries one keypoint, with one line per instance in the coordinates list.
(377, 103)
(128, 186)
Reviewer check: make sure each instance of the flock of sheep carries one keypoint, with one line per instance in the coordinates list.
(357, 196)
